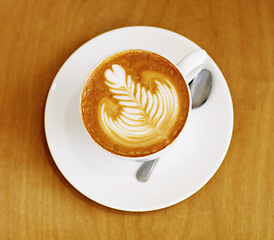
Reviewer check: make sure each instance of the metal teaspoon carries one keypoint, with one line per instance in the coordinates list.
(200, 88)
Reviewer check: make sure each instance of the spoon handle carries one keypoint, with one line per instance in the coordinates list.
(145, 170)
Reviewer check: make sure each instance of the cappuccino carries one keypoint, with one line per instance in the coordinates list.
(134, 103)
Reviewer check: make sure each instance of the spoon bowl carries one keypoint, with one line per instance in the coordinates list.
(200, 88)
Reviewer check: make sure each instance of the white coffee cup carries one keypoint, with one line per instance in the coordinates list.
(189, 67)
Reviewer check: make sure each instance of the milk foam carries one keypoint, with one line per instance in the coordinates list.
(145, 116)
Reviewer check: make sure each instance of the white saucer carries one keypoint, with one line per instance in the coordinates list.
(111, 182)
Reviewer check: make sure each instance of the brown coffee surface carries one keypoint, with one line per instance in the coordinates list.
(134, 103)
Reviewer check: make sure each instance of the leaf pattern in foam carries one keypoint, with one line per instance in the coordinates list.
(145, 115)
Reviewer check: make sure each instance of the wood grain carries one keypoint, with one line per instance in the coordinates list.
(36, 202)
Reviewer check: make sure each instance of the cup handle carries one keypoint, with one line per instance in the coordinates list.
(192, 64)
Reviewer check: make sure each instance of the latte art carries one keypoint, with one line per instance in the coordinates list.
(134, 103)
(145, 117)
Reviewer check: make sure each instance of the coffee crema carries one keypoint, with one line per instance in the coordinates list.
(134, 103)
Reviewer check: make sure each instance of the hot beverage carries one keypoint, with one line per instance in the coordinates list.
(134, 103)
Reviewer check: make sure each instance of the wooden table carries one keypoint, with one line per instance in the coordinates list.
(36, 202)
